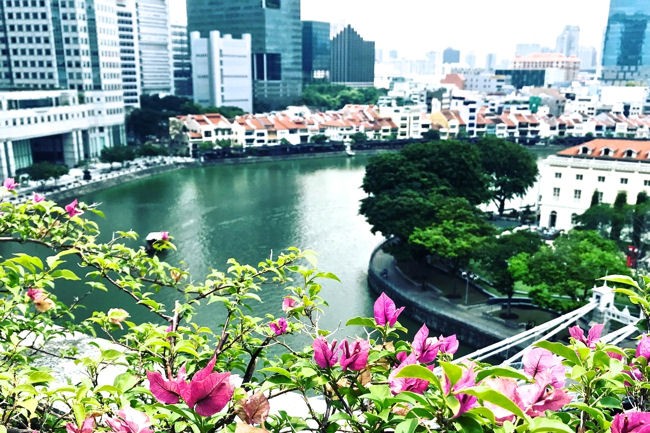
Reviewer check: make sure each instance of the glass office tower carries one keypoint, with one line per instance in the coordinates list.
(626, 52)
(276, 42)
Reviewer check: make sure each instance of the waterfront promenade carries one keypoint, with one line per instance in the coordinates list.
(426, 305)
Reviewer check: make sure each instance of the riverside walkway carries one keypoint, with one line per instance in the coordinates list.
(424, 304)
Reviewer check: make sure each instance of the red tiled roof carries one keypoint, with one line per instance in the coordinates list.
(617, 149)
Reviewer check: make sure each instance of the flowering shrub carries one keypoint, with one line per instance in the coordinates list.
(177, 376)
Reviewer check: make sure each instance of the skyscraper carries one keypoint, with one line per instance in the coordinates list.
(276, 42)
(450, 56)
(568, 42)
(626, 52)
(154, 31)
(182, 64)
(127, 30)
(316, 50)
(353, 59)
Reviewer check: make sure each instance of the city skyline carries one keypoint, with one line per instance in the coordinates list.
(512, 22)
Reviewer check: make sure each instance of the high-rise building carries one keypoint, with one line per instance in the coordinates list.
(626, 51)
(276, 40)
(588, 58)
(221, 70)
(127, 30)
(154, 31)
(491, 61)
(182, 62)
(527, 49)
(353, 59)
(450, 56)
(316, 50)
(60, 53)
(568, 42)
(470, 60)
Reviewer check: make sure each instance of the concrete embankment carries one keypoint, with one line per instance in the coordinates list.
(468, 323)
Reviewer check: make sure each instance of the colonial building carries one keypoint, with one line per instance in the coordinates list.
(570, 178)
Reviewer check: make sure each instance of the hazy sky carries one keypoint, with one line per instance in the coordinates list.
(414, 27)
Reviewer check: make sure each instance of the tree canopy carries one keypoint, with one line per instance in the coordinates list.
(335, 96)
(511, 167)
(45, 170)
(117, 154)
(569, 268)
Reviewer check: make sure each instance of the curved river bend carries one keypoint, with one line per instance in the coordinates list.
(247, 212)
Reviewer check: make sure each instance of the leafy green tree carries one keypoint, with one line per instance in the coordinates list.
(45, 170)
(318, 138)
(493, 255)
(597, 217)
(456, 232)
(511, 167)
(359, 137)
(431, 134)
(117, 154)
(561, 276)
(639, 218)
(149, 149)
(335, 96)
(404, 188)
(619, 216)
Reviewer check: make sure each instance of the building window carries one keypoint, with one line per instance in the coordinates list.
(577, 194)
(556, 192)
(646, 182)
(601, 178)
(600, 197)
(578, 177)
(558, 175)
(624, 180)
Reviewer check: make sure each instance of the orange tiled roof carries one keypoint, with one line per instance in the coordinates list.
(617, 149)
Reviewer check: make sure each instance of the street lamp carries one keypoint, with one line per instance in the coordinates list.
(467, 277)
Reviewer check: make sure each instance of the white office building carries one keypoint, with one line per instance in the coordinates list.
(154, 32)
(221, 71)
(56, 126)
(127, 22)
(569, 179)
(72, 44)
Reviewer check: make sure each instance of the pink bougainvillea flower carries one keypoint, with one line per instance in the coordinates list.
(288, 303)
(400, 384)
(425, 347)
(164, 236)
(280, 327)
(34, 293)
(9, 183)
(72, 209)
(448, 345)
(354, 356)
(631, 422)
(539, 397)
(37, 198)
(207, 393)
(592, 337)
(88, 426)
(507, 387)
(129, 420)
(386, 311)
(643, 347)
(538, 360)
(325, 354)
(166, 391)
(467, 380)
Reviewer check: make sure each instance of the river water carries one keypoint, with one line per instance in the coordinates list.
(248, 212)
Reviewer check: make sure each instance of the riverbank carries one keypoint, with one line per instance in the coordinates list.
(118, 177)
(469, 323)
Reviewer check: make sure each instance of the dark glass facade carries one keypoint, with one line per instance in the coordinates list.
(353, 59)
(316, 50)
(276, 42)
(520, 78)
(182, 61)
(626, 52)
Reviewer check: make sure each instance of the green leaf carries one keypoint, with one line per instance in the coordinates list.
(328, 275)
(79, 411)
(543, 424)
(419, 372)
(407, 426)
(596, 414)
(65, 274)
(495, 397)
(469, 425)
(361, 321)
(559, 349)
(125, 381)
(623, 279)
(39, 376)
(278, 370)
(453, 372)
(111, 354)
(108, 388)
(501, 372)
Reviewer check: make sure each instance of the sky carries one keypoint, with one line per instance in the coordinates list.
(414, 27)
